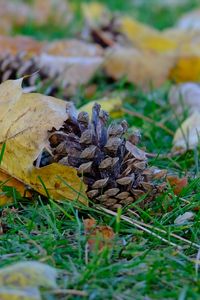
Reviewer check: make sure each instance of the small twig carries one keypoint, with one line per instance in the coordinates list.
(165, 232)
(69, 292)
(166, 155)
(149, 120)
(135, 223)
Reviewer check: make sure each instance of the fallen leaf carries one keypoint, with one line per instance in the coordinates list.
(21, 281)
(185, 218)
(52, 11)
(143, 68)
(94, 13)
(17, 294)
(178, 184)
(111, 105)
(25, 121)
(13, 15)
(28, 274)
(73, 48)
(187, 136)
(190, 21)
(7, 180)
(186, 69)
(184, 97)
(146, 37)
(98, 236)
(14, 45)
(70, 62)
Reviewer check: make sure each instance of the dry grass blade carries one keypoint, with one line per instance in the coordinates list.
(149, 120)
(144, 227)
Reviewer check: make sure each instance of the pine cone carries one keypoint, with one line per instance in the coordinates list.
(114, 169)
(19, 65)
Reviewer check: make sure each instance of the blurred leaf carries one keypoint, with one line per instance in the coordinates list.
(28, 274)
(187, 136)
(98, 236)
(183, 219)
(145, 37)
(17, 294)
(138, 66)
(185, 97)
(177, 183)
(111, 105)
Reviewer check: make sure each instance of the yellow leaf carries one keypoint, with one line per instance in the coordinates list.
(17, 294)
(25, 121)
(28, 274)
(186, 69)
(187, 136)
(7, 180)
(145, 37)
(94, 12)
(111, 105)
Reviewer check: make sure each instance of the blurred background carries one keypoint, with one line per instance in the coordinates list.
(53, 19)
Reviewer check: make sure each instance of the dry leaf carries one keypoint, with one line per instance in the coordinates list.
(51, 11)
(111, 105)
(94, 13)
(7, 180)
(98, 236)
(21, 281)
(73, 48)
(28, 274)
(14, 45)
(187, 136)
(25, 120)
(183, 219)
(12, 14)
(17, 294)
(177, 183)
(18, 13)
(145, 37)
(142, 68)
(186, 69)
(71, 62)
(185, 97)
(190, 21)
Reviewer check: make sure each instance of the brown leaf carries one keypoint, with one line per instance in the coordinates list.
(14, 45)
(98, 236)
(13, 14)
(71, 62)
(51, 11)
(25, 120)
(177, 183)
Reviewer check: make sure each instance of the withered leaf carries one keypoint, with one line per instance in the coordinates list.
(98, 235)
(143, 68)
(25, 120)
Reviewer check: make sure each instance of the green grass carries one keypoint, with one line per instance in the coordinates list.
(158, 264)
